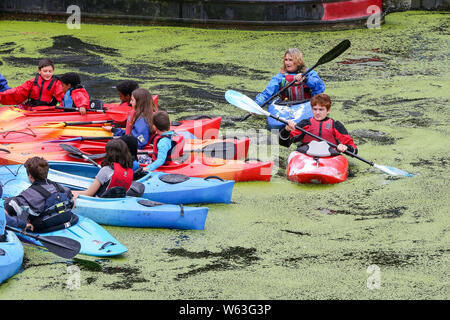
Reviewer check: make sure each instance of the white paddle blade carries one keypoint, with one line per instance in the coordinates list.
(243, 102)
(393, 171)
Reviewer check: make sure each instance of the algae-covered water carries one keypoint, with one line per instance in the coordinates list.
(370, 237)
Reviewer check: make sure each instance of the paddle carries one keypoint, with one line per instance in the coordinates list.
(327, 57)
(61, 246)
(62, 124)
(116, 115)
(222, 149)
(245, 103)
(74, 150)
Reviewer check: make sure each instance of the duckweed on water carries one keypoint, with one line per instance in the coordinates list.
(276, 240)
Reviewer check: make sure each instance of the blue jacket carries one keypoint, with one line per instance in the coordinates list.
(313, 81)
(141, 130)
(3, 84)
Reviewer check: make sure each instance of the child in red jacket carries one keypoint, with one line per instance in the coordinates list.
(42, 90)
(320, 125)
(75, 96)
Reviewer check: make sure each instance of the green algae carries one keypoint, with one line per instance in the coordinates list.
(276, 240)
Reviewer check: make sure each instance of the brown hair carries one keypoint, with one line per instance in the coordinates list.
(297, 56)
(117, 151)
(323, 99)
(145, 106)
(37, 167)
(161, 120)
(45, 63)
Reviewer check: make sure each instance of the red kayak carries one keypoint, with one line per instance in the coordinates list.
(206, 128)
(303, 168)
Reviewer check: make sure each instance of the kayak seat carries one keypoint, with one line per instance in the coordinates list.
(173, 178)
(114, 192)
(136, 189)
(318, 149)
(73, 221)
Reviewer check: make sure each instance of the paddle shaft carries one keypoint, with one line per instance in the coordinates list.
(322, 139)
(39, 238)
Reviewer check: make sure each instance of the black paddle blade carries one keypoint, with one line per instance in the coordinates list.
(70, 149)
(335, 52)
(91, 156)
(61, 246)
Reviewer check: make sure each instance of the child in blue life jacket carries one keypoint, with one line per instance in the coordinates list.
(116, 171)
(3, 84)
(75, 95)
(293, 67)
(139, 122)
(125, 89)
(320, 125)
(43, 90)
(42, 207)
(167, 145)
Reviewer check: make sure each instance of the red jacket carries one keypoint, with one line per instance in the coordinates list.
(80, 98)
(329, 129)
(34, 92)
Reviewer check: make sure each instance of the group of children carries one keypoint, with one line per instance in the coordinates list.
(47, 204)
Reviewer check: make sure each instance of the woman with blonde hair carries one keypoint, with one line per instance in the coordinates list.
(293, 68)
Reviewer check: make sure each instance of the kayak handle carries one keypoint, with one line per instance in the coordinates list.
(213, 177)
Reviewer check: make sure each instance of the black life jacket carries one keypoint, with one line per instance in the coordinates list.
(57, 206)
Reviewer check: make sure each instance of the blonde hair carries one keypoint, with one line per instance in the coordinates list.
(297, 56)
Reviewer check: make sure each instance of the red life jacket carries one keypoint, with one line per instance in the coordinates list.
(323, 129)
(130, 121)
(296, 92)
(121, 177)
(175, 152)
(42, 94)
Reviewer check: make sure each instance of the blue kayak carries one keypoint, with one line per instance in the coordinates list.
(288, 111)
(11, 256)
(126, 212)
(94, 239)
(159, 186)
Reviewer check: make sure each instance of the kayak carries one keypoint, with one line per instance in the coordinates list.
(289, 111)
(159, 186)
(18, 153)
(11, 256)
(51, 128)
(124, 212)
(94, 239)
(141, 213)
(197, 165)
(303, 168)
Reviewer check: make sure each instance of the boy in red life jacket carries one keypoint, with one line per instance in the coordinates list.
(116, 171)
(125, 89)
(167, 145)
(75, 95)
(320, 125)
(42, 90)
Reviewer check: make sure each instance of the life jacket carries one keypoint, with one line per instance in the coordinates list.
(57, 206)
(296, 92)
(323, 129)
(70, 102)
(42, 92)
(121, 177)
(176, 150)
